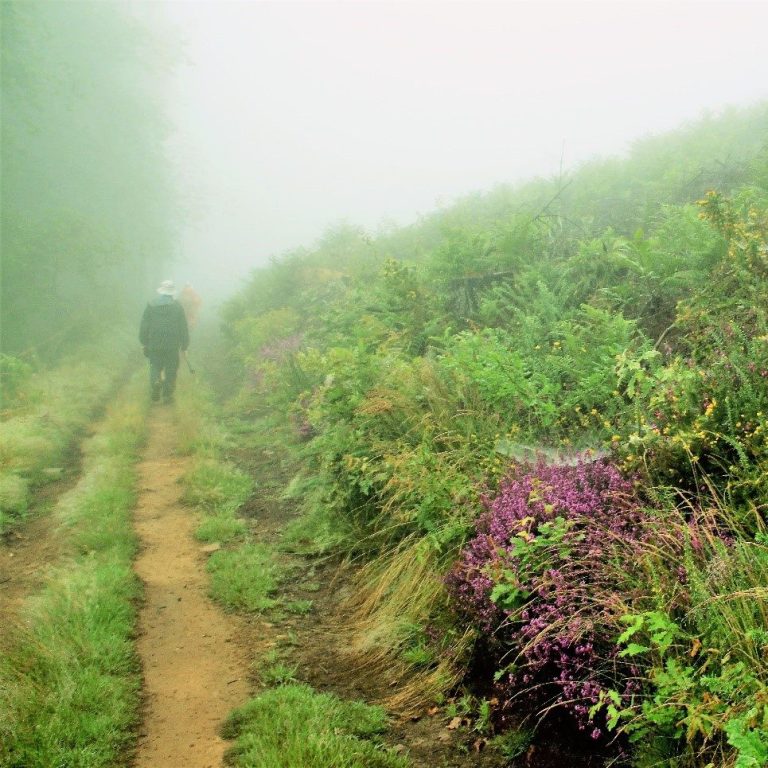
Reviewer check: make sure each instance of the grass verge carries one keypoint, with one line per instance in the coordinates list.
(218, 489)
(292, 726)
(69, 676)
(245, 575)
(213, 485)
(245, 578)
(41, 420)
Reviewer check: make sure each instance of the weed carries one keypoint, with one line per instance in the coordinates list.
(299, 607)
(513, 743)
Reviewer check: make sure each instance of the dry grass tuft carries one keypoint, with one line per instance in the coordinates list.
(393, 598)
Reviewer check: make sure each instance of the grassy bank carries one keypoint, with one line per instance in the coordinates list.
(69, 676)
(544, 437)
(42, 413)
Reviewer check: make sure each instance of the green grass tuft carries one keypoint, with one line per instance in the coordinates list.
(221, 528)
(315, 532)
(216, 487)
(299, 607)
(292, 726)
(14, 496)
(274, 670)
(245, 578)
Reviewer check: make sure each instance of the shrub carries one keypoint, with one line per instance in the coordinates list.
(695, 629)
(534, 583)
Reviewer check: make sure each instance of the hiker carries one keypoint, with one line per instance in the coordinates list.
(190, 299)
(163, 333)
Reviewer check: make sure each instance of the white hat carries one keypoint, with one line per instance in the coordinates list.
(167, 288)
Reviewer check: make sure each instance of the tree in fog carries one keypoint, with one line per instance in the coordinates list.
(87, 209)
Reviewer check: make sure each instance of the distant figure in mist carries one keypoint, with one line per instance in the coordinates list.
(163, 333)
(190, 299)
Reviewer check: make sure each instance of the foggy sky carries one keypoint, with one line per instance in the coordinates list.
(291, 116)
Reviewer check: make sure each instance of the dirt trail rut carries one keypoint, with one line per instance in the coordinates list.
(194, 671)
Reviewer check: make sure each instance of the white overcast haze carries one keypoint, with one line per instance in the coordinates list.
(289, 117)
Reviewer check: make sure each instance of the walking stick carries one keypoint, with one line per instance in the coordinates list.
(189, 365)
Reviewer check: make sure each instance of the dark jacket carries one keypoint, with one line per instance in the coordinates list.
(164, 326)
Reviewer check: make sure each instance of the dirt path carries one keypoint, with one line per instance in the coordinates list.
(194, 673)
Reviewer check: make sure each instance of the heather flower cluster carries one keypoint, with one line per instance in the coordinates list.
(535, 581)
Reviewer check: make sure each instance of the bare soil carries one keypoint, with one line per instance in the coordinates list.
(195, 666)
(25, 553)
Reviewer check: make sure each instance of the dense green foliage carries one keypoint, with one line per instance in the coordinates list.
(617, 312)
(87, 210)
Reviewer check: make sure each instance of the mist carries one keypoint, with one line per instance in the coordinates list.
(290, 117)
(474, 419)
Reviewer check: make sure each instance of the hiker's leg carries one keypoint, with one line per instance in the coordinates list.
(171, 368)
(155, 372)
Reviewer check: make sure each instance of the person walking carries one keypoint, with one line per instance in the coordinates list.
(163, 333)
(190, 300)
